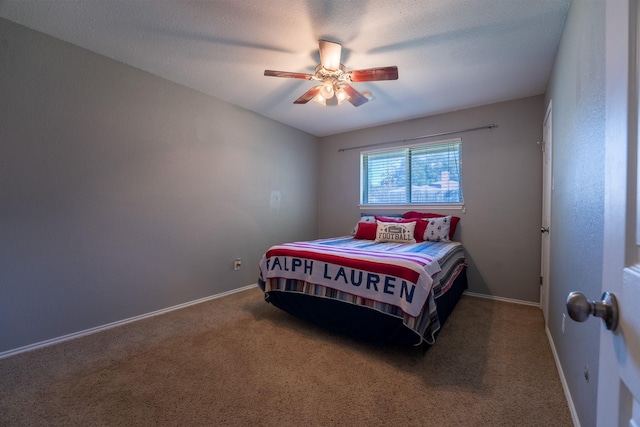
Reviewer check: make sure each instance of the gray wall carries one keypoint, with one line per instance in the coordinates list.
(122, 193)
(577, 221)
(502, 186)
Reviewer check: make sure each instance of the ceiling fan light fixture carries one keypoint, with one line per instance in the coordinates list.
(327, 90)
(326, 102)
(341, 95)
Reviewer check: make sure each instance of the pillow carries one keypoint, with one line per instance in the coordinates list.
(389, 218)
(364, 218)
(438, 229)
(415, 215)
(366, 230)
(396, 232)
(419, 230)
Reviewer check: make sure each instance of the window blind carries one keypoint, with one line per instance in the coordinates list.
(419, 174)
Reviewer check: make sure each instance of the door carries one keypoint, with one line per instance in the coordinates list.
(619, 366)
(545, 229)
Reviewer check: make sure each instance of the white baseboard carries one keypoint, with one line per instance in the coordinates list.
(90, 331)
(565, 386)
(513, 301)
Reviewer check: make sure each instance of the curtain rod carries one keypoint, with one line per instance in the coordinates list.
(491, 126)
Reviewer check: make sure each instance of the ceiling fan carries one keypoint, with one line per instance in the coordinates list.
(334, 87)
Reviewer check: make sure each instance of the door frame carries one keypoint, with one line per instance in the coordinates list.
(547, 191)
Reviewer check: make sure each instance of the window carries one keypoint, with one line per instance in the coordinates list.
(426, 174)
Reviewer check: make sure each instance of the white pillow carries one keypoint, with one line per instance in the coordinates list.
(438, 229)
(397, 232)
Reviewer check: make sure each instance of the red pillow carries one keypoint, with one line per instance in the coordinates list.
(366, 230)
(418, 233)
(414, 215)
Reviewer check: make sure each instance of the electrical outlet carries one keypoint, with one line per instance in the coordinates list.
(564, 319)
(236, 264)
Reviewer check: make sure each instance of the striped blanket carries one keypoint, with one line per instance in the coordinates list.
(450, 257)
(397, 274)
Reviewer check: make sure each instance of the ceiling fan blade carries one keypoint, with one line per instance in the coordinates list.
(308, 95)
(287, 74)
(330, 54)
(374, 74)
(355, 97)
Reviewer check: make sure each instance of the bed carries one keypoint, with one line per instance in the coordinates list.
(385, 290)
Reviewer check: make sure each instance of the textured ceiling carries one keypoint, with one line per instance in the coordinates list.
(451, 54)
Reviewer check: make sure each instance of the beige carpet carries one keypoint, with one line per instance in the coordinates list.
(238, 361)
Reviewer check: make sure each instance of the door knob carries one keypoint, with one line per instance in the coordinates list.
(544, 229)
(579, 308)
